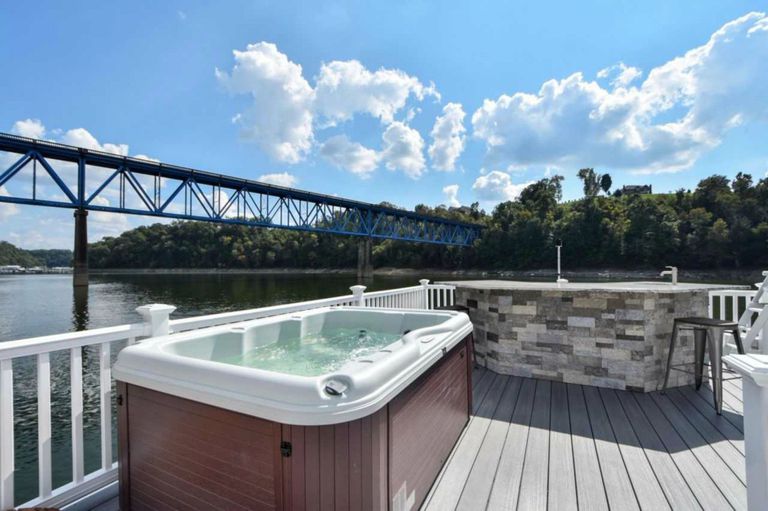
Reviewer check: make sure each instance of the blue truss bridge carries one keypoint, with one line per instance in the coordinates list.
(41, 173)
(57, 175)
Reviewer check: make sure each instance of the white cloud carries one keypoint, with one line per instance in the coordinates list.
(403, 149)
(286, 110)
(81, 137)
(451, 194)
(280, 117)
(348, 155)
(497, 186)
(448, 137)
(104, 223)
(620, 75)
(280, 179)
(7, 209)
(31, 128)
(345, 88)
(682, 109)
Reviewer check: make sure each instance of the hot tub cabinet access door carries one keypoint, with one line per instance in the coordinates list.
(179, 454)
(388, 460)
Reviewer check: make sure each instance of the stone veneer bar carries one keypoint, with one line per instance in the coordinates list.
(612, 335)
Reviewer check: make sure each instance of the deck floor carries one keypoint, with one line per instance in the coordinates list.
(535, 444)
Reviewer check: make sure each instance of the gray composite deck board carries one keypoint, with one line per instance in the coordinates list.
(703, 486)
(725, 426)
(480, 481)
(647, 488)
(729, 484)
(672, 482)
(733, 415)
(535, 444)
(533, 486)
(506, 485)
(562, 477)
(590, 489)
(725, 449)
(618, 487)
(733, 390)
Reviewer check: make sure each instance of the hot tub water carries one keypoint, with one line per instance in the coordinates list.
(314, 354)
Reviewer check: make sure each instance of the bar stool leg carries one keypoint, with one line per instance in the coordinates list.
(715, 344)
(669, 357)
(737, 338)
(699, 345)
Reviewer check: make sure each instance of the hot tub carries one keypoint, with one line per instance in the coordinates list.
(346, 407)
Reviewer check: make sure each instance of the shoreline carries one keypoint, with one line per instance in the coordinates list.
(751, 274)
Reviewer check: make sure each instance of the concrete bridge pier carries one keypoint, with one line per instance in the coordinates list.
(80, 273)
(365, 260)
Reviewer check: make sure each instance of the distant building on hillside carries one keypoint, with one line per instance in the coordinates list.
(11, 268)
(636, 189)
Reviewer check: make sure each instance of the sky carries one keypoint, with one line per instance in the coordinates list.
(409, 102)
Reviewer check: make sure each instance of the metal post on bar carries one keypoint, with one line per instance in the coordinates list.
(559, 245)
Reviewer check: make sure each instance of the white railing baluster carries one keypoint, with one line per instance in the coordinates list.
(6, 434)
(76, 389)
(44, 467)
(105, 402)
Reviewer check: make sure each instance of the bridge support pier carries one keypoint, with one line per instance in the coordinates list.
(364, 260)
(80, 273)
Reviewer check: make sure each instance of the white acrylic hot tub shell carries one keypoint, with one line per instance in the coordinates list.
(177, 365)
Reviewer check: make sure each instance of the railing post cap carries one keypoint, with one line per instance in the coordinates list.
(155, 308)
(358, 289)
(424, 282)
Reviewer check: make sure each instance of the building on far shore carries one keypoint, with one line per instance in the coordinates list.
(15, 268)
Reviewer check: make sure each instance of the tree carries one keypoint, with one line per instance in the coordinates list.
(605, 183)
(591, 182)
(542, 196)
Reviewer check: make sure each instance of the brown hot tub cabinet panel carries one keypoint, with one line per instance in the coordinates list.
(177, 453)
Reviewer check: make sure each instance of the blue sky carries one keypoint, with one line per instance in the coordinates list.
(406, 102)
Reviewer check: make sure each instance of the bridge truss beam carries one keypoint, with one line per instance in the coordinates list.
(97, 181)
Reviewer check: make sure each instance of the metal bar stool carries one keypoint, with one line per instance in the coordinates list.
(707, 336)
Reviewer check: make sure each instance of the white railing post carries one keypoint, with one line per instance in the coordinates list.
(754, 372)
(76, 388)
(424, 293)
(105, 404)
(157, 318)
(358, 295)
(44, 466)
(6, 434)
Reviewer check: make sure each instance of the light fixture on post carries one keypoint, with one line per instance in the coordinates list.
(559, 245)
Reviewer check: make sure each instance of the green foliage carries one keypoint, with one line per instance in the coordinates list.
(11, 255)
(719, 224)
(594, 182)
(53, 257)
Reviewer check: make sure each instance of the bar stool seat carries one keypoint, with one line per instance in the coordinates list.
(708, 336)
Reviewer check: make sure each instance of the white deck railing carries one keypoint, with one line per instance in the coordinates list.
(729, 304)
(156, 322)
